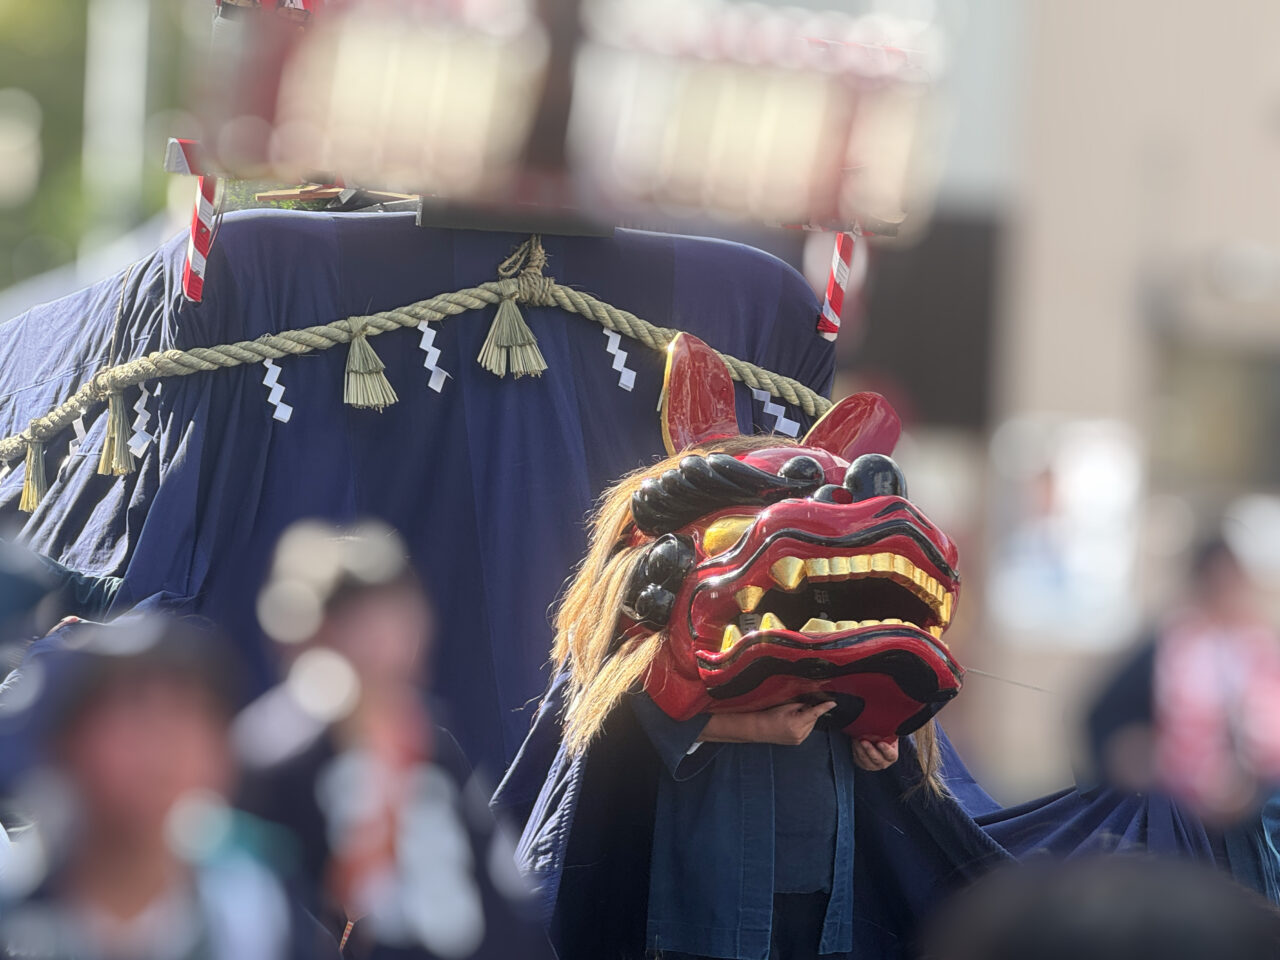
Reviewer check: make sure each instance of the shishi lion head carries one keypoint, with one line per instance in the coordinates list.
(746, 572)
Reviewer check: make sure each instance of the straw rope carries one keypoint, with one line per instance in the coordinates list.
(530, 287)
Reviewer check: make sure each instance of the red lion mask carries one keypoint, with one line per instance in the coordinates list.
(790, 573)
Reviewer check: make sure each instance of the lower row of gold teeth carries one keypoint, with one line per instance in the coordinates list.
(817, 625)
(732, 634)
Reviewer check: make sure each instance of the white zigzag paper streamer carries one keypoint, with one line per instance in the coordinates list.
(78, 433)
(626, 376)
(427, 346)
(140, 439)
(77, 428)
(282, 410)
(781, 424)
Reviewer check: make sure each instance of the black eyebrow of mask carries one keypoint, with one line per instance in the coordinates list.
(702, 485)
(897, 507)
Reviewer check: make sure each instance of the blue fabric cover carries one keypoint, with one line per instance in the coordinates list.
(489, 480)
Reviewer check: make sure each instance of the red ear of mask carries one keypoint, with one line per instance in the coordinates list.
(697, 396)
(862, 423)
(698, 407)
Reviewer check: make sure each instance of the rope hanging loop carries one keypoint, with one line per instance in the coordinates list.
(526, 283)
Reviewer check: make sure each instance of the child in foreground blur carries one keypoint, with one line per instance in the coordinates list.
(132, 853)
(397, 843)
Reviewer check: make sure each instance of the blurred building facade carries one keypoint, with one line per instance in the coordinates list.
(1095, 336)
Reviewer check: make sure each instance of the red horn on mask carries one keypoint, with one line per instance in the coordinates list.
(698, 407)
(697, 396)
(862, 423)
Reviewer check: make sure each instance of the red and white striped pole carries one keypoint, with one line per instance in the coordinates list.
(848, 272)
(200, 241)
(183, 156)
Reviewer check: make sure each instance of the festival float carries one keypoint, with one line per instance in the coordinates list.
(478, 339)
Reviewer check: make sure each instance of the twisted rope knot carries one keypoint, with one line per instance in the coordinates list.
(100, 382)
(535, 288)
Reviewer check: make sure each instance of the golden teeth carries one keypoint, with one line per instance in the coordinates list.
(815, 625)
(893, 620)
(749, 598)
(731, 636)
(770, 622)
(847, 625)
(788, 572)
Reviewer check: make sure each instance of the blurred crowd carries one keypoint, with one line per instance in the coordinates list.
(149, 814)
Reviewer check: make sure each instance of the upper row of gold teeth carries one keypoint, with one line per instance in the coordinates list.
(790, 573)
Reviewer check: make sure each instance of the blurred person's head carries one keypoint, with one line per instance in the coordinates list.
(140, 722)
(381, 627)
(351, 591)
(1105, 908)
(1219, 584)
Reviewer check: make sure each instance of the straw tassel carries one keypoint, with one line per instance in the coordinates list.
(510, 344)
(367, 387)
(35, 485)
(117, 458)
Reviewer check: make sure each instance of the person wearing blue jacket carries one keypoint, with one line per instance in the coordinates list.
(632, 837)
(727, 836)
(753, 833)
